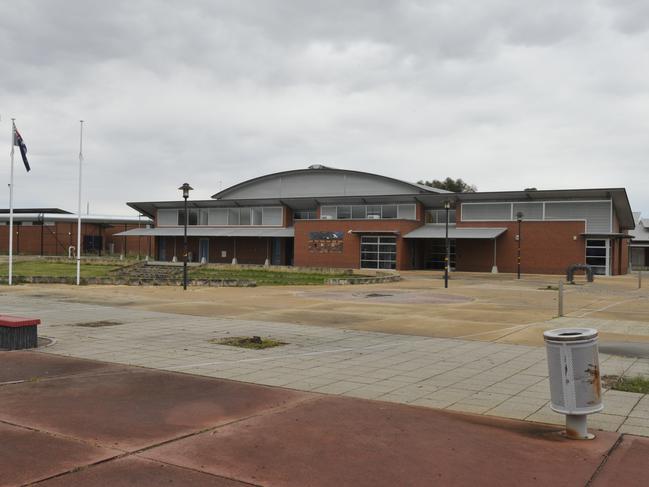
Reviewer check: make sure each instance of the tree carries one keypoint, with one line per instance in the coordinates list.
(450, 184)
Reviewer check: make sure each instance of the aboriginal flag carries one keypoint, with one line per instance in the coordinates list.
(18, 141)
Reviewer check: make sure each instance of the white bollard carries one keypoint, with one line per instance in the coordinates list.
(560, 299)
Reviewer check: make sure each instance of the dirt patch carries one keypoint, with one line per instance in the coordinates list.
(391, 297)
(98, 324)
(253, 342)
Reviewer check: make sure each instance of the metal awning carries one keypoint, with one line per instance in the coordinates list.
(439, 231)
(209, 232)
(371, 232)
(607, 235)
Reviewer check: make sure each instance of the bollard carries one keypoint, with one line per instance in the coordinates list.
(575, 385)
(639, 279)
(560, 299)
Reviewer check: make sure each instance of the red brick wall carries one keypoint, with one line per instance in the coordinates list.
(59, 237)
(350, 257)
(547, 247)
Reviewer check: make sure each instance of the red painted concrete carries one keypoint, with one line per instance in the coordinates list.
(18, 366)
(341, 441)
(134, 409)
(210, 432)
(139, 472)
(28, 456)
(627, 465)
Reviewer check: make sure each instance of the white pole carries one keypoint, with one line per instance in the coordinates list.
(79, 206)
(11, 205)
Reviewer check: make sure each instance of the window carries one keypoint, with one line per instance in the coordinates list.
(358, 212)
(202, 217)
(304, 214)
(373, 212)
(272, 216)
(256, 216)
(439, 216)
(344, 212)
(368, 212)
(233, 216)
(328, 212)
(193, 217)
(167, 217)
(407, 212)
(389, 211)
(217, 216)
(244, 216)
(487, 211)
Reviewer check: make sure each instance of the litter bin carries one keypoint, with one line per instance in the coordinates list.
(575, 384)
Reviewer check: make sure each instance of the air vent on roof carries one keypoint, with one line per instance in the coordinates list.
(316, 166)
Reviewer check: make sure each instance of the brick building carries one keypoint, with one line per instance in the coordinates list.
(322, 216)
(53, 231)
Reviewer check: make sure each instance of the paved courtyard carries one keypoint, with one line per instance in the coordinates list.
(494, 379)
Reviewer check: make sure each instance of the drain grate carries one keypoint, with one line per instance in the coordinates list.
(377, 295)
(98, 324)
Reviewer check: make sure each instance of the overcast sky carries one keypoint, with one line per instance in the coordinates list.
(506, 94)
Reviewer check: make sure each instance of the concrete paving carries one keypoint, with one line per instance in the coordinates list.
(493, 379)
(77, 422)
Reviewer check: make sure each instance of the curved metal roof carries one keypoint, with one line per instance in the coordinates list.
(325, 188)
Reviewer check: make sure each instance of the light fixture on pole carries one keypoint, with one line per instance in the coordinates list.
(185, 188)
(519, 219)
(447, 258)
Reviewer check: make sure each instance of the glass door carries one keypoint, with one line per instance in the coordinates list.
(597, 255)
(378, 252)
(204, 250)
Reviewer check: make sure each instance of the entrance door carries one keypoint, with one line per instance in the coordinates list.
(597, 255)
(204, 250)
(276, 251)
(162, 249)
(378, 252)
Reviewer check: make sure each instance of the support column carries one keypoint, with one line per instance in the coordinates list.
(494, 268)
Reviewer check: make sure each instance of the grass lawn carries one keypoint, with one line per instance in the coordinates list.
(57, 269)
(632, 384)
(264, 277)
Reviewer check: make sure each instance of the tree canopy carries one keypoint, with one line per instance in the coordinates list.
(450, 184)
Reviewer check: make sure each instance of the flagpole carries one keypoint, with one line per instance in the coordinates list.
(79, 206)
(11, 204)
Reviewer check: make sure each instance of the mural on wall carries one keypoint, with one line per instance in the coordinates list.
(325, 242)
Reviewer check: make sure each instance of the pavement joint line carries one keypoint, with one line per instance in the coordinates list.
(54, 434)
(605, 458)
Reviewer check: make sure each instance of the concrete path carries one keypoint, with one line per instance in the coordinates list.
(67, 421)
(491, 379)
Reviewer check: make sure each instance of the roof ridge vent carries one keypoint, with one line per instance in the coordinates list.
(317, 166)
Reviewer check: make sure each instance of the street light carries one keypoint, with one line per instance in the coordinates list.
(519, 219)
(185, 188)
(447, 259)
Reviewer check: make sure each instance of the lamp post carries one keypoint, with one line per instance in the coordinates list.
(185, 188)
(519, 219)
(447, 258)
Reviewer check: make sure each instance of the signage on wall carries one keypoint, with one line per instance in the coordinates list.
(325, 242)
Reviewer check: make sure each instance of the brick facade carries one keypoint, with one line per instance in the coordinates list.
(58, 237)
(351, 242)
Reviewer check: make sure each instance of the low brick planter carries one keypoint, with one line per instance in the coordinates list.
(347, 281)
(122, 281)
(18, 333)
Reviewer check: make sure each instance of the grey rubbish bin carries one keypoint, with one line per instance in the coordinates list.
(575, 385)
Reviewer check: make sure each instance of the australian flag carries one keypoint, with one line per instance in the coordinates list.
(19, 142)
